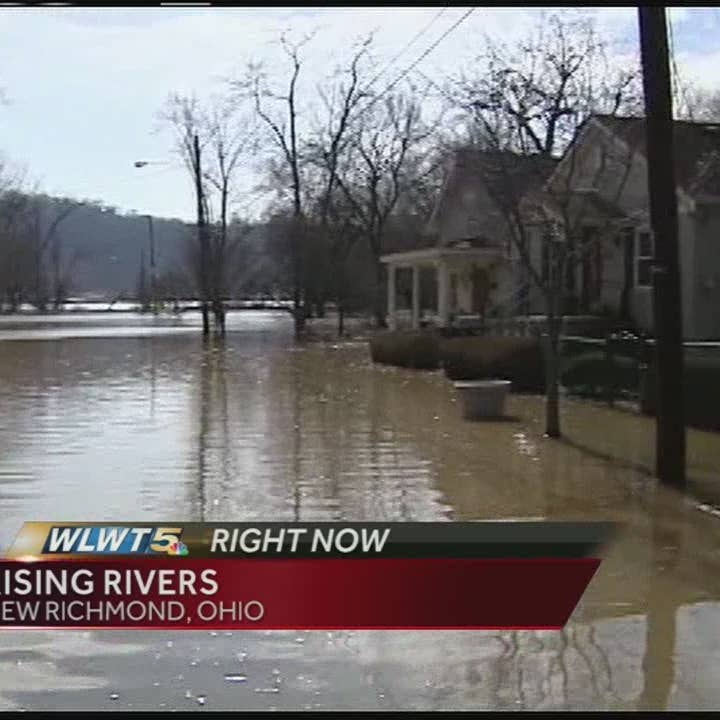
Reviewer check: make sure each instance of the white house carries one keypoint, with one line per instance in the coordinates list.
(470, 249)
(598, 193)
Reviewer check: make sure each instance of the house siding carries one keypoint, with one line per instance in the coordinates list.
(703, 280)
(603, 162)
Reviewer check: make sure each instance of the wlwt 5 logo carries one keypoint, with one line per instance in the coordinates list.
(114, 540)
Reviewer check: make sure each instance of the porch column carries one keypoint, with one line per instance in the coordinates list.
(443, 287)
(392, 320)
(415, 297)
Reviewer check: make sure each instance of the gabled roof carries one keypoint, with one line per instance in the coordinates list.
(696, 149)
(524, 172)
(507, 175)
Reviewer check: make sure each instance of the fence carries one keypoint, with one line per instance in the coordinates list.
(627, 359)
(529, 325)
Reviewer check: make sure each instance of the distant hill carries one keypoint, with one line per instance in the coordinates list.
(107, 247)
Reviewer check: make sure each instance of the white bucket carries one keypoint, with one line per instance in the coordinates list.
(483, 399)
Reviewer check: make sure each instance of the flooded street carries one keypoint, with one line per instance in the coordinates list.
(122, 418)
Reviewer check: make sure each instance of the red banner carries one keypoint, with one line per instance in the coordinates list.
(284, 594)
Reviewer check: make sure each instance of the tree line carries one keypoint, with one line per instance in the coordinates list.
(350, 164)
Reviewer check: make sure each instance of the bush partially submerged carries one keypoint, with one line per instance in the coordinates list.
(417, 350)
(591, 374)
(518, 359)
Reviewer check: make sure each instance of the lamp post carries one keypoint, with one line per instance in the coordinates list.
(151, 237)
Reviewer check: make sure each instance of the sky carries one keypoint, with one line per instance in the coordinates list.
(83, 86)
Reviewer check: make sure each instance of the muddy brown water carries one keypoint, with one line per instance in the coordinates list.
(122, 417)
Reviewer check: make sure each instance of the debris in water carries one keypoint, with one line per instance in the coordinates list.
(201, 699)
(235, 677)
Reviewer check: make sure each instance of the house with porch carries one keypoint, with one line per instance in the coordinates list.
(467, 247)
(595, 200)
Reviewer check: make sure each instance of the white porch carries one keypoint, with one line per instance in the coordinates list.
(463, 280)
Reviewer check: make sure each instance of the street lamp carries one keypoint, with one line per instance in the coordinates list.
(151, 236)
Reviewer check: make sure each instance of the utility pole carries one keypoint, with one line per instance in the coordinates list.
(667, 296)
(201, 236)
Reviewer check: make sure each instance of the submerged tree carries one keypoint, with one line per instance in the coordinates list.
(279, 111)
(212, 142)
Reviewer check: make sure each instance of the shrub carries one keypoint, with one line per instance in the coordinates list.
(418, 350)
(518, 359)
(590, 374)
(702, 392)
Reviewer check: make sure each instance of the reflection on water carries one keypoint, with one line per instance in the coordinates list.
(142, 419)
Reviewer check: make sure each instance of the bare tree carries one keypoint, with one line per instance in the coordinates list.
(186, 117)
(62, 269)
(278, 110)
(223, 134)
(231, 139)
(45, 217)
(15, 261)
(388, 142)
(524, 112)
(335, 227)
(699, 105)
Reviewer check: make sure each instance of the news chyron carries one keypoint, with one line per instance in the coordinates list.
(410, 575)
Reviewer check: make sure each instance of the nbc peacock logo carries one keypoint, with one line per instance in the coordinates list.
(178, 548)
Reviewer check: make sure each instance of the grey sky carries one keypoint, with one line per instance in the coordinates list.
(84, 85)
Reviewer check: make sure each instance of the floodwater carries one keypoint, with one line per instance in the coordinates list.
(123, 417)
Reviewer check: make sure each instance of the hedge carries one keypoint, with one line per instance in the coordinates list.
(418, 350)
(518, 359)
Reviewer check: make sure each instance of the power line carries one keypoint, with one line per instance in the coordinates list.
(414, 39)
(418, 60)
(456, 24)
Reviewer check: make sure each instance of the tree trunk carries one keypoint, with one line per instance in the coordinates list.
(552, 376)
(205, 318)
(218, 310)
(299, 318)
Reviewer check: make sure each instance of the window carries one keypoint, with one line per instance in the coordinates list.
(644, 258)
